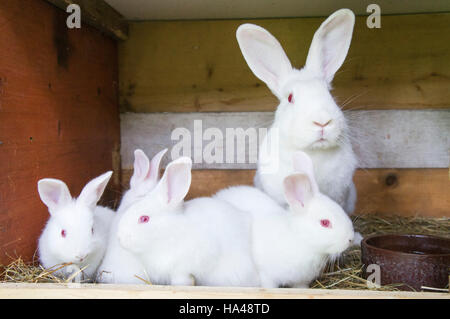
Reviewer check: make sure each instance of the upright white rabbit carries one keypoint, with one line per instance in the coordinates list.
(204, 238)
(307, 118)
(291, 246)
(77, 230)
(119, 265)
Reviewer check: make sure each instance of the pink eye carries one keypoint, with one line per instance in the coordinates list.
(144, 219)
(63, 233)
(291, 98)
(325, 223)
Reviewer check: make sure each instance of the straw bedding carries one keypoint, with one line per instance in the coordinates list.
(345, 273)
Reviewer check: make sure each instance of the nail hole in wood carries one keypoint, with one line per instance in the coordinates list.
(391, 179)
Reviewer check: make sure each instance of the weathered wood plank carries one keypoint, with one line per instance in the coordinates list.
(381, 139)
(106, 291)
(409, 192)
(188, 66)
(171, 10)
(99, 14)
(207, 182)
(58, 115)
(405, 192)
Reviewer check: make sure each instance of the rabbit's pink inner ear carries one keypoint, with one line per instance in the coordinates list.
(297, 189)
(140, 168)
(93, 190)
(53, 193)
(178, 182)
(331, 43)
(264, 55)
(53, 196)
(153, 172)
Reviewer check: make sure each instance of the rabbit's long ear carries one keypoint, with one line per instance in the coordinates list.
(93, 190)
(264, 55)
(330, 44)
(303, 164)
(141, 168)
(298, 190)
(144, 170)
(54, 193)
(174, 185)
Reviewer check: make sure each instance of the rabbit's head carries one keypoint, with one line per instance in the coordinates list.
(307, 117)
(144, 179)
(144, 222)
(327, 226)
(71, 232)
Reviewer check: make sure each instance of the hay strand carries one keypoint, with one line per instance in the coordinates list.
(344, 273)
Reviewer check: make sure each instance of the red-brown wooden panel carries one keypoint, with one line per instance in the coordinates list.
(58, 114)
(404, 192)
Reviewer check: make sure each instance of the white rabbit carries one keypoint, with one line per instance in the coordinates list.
(77, 230)
(204, 238)
(119, 265)
(291, 246)
(307, 118)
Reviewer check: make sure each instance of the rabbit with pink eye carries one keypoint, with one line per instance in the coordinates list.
(77, 229)
(307, 118)
(292, 246)
(119, 265)
(204, 239)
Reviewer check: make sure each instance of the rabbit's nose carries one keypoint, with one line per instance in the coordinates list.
(322, 124)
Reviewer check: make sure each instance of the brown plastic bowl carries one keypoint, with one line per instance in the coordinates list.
(412, 261)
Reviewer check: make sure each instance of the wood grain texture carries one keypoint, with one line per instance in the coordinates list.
(405, 192)
(100, 15)
(196, 66)
(58, 115)
(422, 192)
(107, 291)
(226, 9)
(381, 139)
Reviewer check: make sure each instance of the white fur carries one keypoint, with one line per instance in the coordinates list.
(333, 157)
(290, 246)
(86, 226)
(206, 239)
(119, 265)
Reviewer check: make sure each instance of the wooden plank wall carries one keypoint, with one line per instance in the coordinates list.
(196, 66)
(381, 139)
(406, 192)
(397, 79)
(58, 114)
